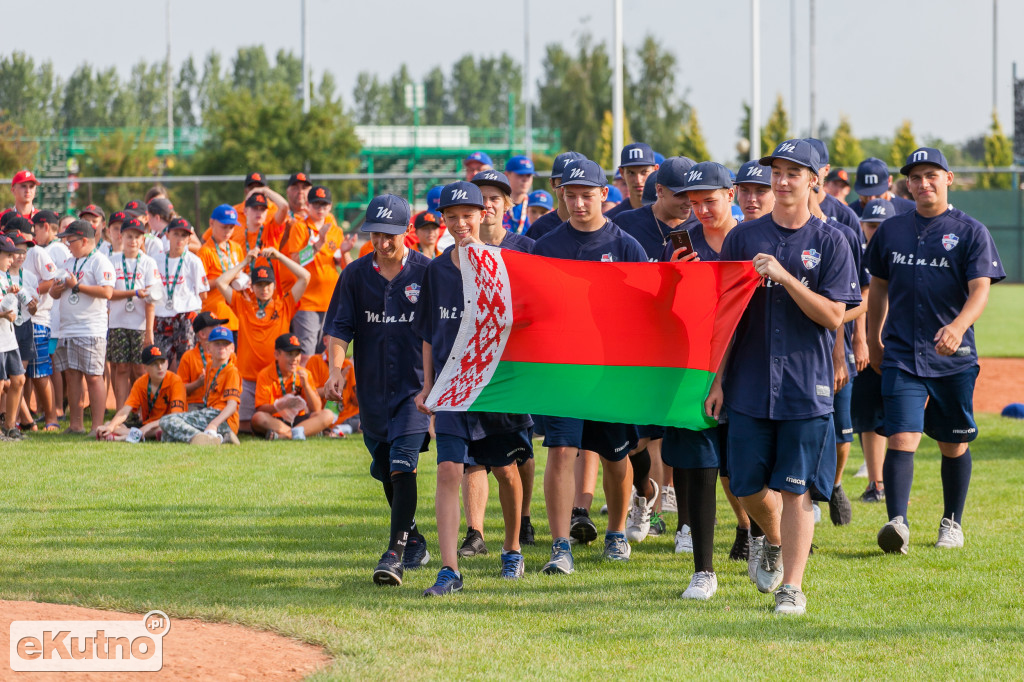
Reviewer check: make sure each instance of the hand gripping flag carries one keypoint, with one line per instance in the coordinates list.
(633, 343)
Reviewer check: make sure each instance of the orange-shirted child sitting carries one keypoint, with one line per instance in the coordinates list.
(347, 422)
(287, 404)
(155, 394)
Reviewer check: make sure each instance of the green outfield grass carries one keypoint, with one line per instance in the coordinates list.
(284, 537)
(1000, 331)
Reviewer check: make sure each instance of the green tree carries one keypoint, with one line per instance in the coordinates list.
(655, 111)
(16, 152)
(371, 103)
(998, 153)
(844, 149)
(691, 140)
(30, 95)
(574, 93)
(776, 130)
(90, 98)
(902, 145)
(435, 96)
(119, 153)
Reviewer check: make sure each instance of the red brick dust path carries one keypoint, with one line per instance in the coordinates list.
(193, 650)
(1000, 383)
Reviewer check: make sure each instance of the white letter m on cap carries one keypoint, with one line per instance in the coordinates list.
(577, 172)
(636, 153)
(870, 179)
(459, 194)
(383, 212)
(878, 210)
(785, 147)
(694, 175)
(920, 155)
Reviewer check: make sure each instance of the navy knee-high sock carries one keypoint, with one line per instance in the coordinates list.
(956, 478)
(641, 471)
(403, 509)
(897, 475)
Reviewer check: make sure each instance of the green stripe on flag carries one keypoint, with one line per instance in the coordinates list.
(600, 392)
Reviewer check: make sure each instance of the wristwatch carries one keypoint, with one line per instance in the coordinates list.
(74, 289)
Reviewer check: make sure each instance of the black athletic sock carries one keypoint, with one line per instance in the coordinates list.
(956, 478)
(701, 486)
(755, 530)
(523, 520)
(897, 475)
(641, 471)
(389, 491)
(679, 477)
(403, 510)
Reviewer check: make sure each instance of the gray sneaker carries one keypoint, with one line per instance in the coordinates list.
(560, 562)
(703, 586)
(894, 538)
(769, 568)
(616, 548)
(754, 557)
(951, 535)
(790, 601)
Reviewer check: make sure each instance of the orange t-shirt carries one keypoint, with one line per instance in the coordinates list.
(191, 367)
(256, 335)
(323, 272)
(366, 248)
(270, 236)
(216, 261)
(222, 386)
(268, 385)
(319, 372)
(170, 397)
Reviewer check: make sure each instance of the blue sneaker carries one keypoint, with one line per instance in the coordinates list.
(616, 548)
(561, 558)
(416, 554)
(448, 581)
(512, 565)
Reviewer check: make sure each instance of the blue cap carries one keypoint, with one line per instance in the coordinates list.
(637, 154)
(707, 175)
(753, 173)
(433, 196)
(540, 198)
(1014, 411)
(480, 157)
(672, 173)
(460, 193)
(737, 212)
(923, 155)
(877, 210)
(520, 165)
(388, 214)
(822, 150)
(650, 194)
(618, 174)
(659, 158)
(561, 160)
(614, 195)
(872, 177)
(225, 214)
(799, 152)
(492, 178)
(584, 172)
(220, 334)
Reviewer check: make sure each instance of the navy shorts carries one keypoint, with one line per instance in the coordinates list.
(652, 432)
(400, 455)
(610, 440)
(704, 449)
(949, 415)
(866, 410)
(497, 450)
(791, 455)
(841, 414)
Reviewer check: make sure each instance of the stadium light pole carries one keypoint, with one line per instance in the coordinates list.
(167, 83)
(755, 79)
(792, 63)
(995, 58)
(811, 76)
(617, 106)
(528, 118)
(305, 59)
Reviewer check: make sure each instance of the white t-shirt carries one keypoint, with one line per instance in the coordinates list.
(87, 315)
(142, 274)
(107, 249)
(153, 245)
(190, 282)
(8, 341)
(31, 287)
(58, 253)
(41, 267)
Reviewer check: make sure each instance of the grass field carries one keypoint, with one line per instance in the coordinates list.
(284, 537)
(1000, 331)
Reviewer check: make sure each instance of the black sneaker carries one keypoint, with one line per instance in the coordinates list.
(526, 533)
(389, 570)
(581, 528)
(741, 546)
(839, 508)
(873, 493)
(473, 545)
(416, 554)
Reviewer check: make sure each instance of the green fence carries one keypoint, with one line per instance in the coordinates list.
(1002, 212)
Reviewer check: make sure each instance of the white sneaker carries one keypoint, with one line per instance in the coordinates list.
(684, 543)
(638, 522)
(862, 472)
(754, 557)
(951, 535)
(298, 433)
(134, 435)
(703, 586)
(668, 499)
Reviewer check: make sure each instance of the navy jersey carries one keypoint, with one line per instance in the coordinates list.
(839, 212)
(438, 318)
(928, 264)
(517, 242)
(856, 240)
(621, 207)
(544, 224)
(700, 244)
(642, 225)
(609, 244)
(388, 354)
(780, 366)
(899, 204)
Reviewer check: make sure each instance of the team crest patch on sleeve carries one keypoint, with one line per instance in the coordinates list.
(949, 241)
(606, 258)
(810, 258)
(412, 292)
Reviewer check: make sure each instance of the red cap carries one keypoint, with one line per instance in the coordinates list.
(24, 176)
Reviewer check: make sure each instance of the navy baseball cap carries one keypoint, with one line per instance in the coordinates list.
(225, 214)
(650, 194)
(872, 177)
(584, 172)
(220, 334)
(754, 173)
(493, 178)
(799, 152)
(877, 210)
(637, 154)
(561, 160)
(479, 157)
(822, 150)
(925, 155)
(388, 214)
(460, 193)
(540, 198)
(614, 195)
(1013, 411)
(707, 175)
(672, 173)
(520, 165)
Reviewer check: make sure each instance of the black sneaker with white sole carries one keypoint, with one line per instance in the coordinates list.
(389, 570)
(473, 545)
(581, 528)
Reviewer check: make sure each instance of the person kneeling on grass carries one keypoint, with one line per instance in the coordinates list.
(153, 395)
(217, 421)
(287, 404)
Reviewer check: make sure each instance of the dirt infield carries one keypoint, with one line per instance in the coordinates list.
(193, 650)
(1000, 383)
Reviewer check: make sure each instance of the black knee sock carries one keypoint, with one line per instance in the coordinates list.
(755, 530)
(956, 478)
(897, 475)
(701, 487)
(641, 471)
(679, 477)
(389, 491)
(403, 510)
